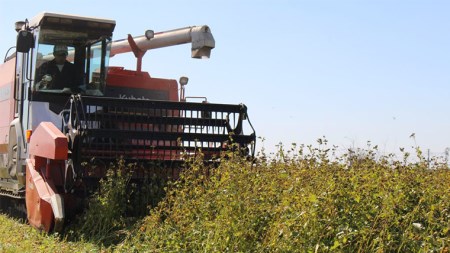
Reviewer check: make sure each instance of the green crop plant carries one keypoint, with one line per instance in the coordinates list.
(118, 203)
(305, 199)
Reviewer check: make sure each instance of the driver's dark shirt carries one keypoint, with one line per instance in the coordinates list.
(60, 79)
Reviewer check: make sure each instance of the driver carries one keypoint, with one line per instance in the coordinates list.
(57, 73)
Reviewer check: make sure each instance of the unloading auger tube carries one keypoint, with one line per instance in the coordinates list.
(200, 37)
(102, 129)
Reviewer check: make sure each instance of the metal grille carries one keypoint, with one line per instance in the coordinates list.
(157, 130)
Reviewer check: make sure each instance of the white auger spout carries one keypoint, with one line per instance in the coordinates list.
(200, 36)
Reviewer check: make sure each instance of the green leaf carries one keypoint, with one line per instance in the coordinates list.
(335, 245)
(312, 198)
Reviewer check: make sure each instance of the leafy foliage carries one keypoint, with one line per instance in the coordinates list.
(305, 199)
(19, 237)
(116, 205)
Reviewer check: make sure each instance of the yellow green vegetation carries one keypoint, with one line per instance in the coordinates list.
(18, 237)
(302, 200)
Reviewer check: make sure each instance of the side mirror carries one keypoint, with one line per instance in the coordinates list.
(25, 41)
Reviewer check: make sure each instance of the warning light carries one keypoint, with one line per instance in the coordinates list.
(28, 135)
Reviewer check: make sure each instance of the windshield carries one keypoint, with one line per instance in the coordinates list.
(71, 62)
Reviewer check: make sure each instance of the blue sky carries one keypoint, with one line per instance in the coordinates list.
(352, 71)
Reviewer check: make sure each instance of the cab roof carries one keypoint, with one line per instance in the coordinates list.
(50, 19)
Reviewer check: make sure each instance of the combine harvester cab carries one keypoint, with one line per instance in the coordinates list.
(58, 138)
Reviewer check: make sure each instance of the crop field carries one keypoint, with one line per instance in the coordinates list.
(301, 199)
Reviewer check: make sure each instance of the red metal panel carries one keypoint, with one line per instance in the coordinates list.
(3, 148)
(47, 141)
(37, 198)
(120, 77)
(6, 98)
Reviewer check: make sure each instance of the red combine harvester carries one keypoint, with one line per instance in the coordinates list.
(57, 141)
